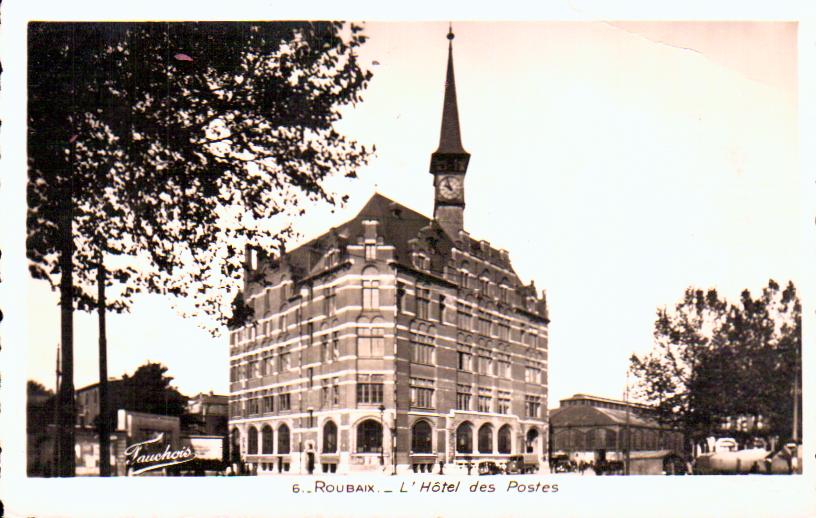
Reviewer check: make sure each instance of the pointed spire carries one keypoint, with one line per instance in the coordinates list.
(450, 139)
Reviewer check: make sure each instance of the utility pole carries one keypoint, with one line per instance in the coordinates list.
(382, 423)
(55, 465)
(104, 404)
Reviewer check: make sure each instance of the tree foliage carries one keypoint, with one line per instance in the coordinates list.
(180, 142)
(715, 361)
(149, 390)
(172, 145)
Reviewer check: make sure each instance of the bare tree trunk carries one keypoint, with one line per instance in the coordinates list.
(67, 409)
(104, 406)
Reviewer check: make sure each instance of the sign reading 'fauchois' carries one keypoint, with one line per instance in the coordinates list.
(148, 455)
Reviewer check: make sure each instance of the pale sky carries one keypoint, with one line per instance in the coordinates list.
(618, 163)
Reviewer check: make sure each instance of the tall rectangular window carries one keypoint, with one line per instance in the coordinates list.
(285, 361)
(335, 347)
(369, 388)
(503, 365)
(504, 294)
(484, 323)
(484, 362)
(371, 294)
(423, 349)
(325, 397)
(422, 392)
(423, 353)
(283, 324)
(370, 252)
(463, 397)
(532, 406)
(532, 374)
(284, 401)
(423, 303)
(268, 403)
(325, 354)
(330, 301)
(370, 342)
(463, 316)
(503, 406)
(485, 403)
(504, 329)
(465, 361)
(335, 391)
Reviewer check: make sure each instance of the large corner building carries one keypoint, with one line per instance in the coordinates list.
(392, 343)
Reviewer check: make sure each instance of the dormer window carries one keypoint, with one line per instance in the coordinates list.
(370, 252)
(332, 257)
(422, 262)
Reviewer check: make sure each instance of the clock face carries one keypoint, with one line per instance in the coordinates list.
(450, 187)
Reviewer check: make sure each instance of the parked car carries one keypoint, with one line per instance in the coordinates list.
(488, 467)
(527, 463)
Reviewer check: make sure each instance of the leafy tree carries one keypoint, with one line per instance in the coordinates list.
(66, 85)
(177, 142)
(35, 388)
(714, 362)
(233, 130)
(768, 331)
(149, 390)
(241, 312)
(680, 377)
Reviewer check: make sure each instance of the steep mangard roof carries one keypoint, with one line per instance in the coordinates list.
(410, 233)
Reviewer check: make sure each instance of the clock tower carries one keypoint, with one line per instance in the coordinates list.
(449, 162)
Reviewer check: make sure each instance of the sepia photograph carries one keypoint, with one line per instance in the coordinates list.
(557, 260)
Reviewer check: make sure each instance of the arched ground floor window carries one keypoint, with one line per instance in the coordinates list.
(532, 438)
(283, 439)
(252, 441)
(505, 439)
(421, 437)
(486, 439)
(235, 445)
(330, 437)
(464, 438)
(267, 444)
(369, 437)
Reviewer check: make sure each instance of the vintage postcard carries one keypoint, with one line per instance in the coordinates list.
(307, 262)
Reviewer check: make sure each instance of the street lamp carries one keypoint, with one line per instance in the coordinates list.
(382, 427)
